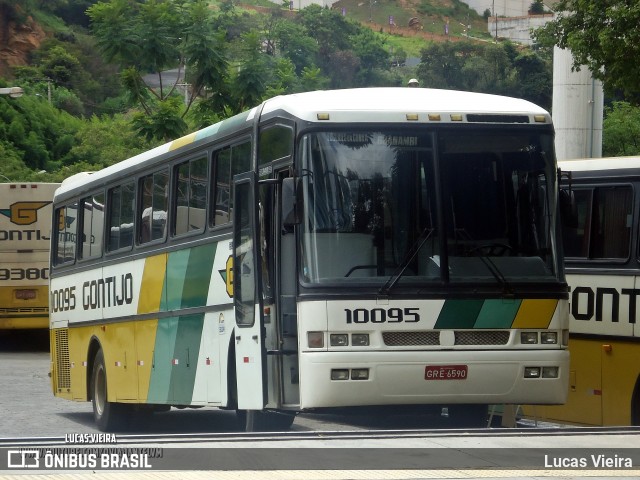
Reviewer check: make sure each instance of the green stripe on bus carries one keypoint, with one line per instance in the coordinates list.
(198, 276)
(458, 314)
(176, 272)
(187, 348)
(498, 313)
(162, 360)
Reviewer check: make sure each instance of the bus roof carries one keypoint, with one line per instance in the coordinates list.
(362, 105)
(600, 164)
(361, 102)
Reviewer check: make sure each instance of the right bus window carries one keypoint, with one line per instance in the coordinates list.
(120, 226)
(603, 229)
(67, 234)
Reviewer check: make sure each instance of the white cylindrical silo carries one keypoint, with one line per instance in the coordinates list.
(577, 109)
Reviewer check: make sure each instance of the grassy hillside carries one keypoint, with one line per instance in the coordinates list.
(431, 15)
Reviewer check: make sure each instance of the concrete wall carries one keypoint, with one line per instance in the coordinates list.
(503, 8)
(517, 29)
(578, 101)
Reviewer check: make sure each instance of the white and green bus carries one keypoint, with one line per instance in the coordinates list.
(354, 248)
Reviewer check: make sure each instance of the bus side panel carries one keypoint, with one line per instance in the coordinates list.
(603, 370)
(120, 357)
(175, 359)
(584, 402)
(620, 372)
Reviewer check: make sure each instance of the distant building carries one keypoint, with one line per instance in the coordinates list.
(517, 29)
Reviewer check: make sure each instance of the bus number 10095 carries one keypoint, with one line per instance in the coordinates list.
(382, 315)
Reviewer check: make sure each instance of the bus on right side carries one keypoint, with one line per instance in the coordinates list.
(601, 240)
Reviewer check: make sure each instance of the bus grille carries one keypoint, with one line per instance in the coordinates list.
(24, 310)
(471, 337)
(409, 339)
(463, 337)
(62, 359)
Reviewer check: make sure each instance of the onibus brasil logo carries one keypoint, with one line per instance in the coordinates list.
(23, 213)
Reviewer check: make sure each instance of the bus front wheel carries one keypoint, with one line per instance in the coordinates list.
(108, 415)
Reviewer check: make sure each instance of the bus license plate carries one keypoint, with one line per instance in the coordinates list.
(25, 294)
(445, 372)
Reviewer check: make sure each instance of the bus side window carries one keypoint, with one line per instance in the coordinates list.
(275, 143)
(222, 189)
(92, 226)
(191, 196)
(228, 162)
(602, 229)
(67, 234)
(152, 213)
(120, 225)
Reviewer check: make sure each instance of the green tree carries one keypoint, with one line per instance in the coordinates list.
(330, 30)
(292, 41)
(37, 133)
(371, 50)
(442, 64)
(162, 123)
(253, 74)
(604, 36)
(533, 78)
(621, 130)
(104, 141)
(312, 79)
(155, 36)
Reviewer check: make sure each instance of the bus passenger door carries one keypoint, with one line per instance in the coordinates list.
(248, 335)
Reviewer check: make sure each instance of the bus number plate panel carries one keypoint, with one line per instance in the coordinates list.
(445, 372)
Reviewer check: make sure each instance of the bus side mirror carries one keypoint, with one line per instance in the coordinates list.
(290, 203)
(568, 208)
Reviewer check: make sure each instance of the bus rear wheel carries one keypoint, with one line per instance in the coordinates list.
(108, 415)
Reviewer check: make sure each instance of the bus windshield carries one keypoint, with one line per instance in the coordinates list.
(395, 207)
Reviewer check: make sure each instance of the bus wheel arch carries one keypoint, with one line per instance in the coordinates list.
(108, 416)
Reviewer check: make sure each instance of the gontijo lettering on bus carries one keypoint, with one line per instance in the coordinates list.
(587, 304)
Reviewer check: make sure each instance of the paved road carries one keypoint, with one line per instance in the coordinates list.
(29, 409)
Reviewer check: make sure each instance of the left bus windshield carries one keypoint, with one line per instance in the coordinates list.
(397, 206)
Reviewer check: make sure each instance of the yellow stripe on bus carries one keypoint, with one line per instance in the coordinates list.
(535, 313)
(181, 142)
(152, 283)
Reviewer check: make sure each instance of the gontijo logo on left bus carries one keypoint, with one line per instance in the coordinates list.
(23, 213)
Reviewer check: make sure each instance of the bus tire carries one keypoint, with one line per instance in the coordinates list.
(108, 416)
(266, 421)
(469, 415)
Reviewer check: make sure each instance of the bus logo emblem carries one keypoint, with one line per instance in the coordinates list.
(23, 213)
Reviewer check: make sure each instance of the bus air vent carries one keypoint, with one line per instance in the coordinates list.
(408, 339)
(63, 367)
(493, 118)
(480, 337)
(463, 337)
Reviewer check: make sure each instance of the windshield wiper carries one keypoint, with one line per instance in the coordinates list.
(495, 271)
(411, 254)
